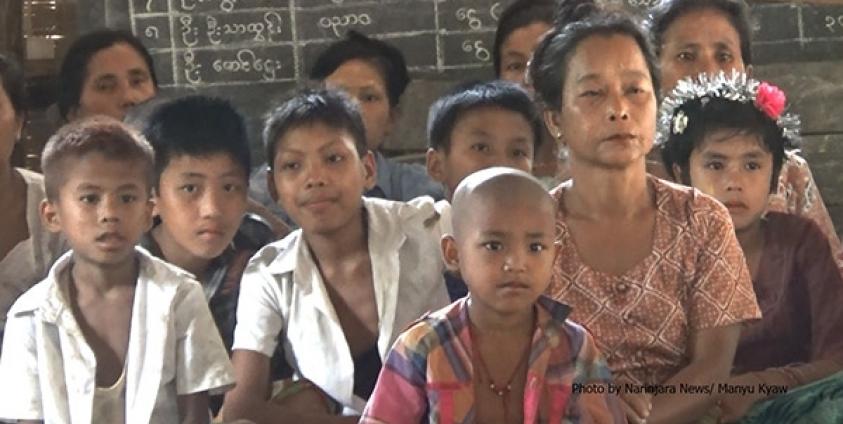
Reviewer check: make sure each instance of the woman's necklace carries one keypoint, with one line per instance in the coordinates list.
(501, 390)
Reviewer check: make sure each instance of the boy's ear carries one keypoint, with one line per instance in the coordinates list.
(154, 199)
(370, 170)
(50, 216)
(450, 253)
(270, 185)
(553, 123)
(150, 211)
(435, 168)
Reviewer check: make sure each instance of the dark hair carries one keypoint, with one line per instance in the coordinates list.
(737, 11)
(518, 15)
(14, 84)
(311, 106)
(447, 111)
(550, 60)
(74, 67)
(715, 115)
(386, 58)
(107, 136)
(197, 126)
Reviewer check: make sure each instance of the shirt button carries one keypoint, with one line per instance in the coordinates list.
(621, 287)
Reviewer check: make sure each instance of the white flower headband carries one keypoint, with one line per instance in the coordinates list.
(737, 87)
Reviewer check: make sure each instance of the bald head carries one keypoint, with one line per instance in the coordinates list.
(497, 190)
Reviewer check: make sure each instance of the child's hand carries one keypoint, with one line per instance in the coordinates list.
(637, 406)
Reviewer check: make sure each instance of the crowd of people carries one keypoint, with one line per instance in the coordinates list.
(618, 228)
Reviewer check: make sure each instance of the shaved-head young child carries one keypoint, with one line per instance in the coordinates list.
(504, 353)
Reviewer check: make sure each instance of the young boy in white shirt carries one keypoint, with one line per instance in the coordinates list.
(112, 334)
(343, 286)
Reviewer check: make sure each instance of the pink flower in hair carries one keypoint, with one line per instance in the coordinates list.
(770, 100)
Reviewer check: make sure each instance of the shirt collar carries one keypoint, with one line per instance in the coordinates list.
(381, 233)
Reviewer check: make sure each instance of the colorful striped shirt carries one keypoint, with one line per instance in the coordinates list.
(428, 374)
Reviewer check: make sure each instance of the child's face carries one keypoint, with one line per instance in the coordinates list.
(103, 208)
(365, 84)
(517, 50)
(117, 79)
(318, 178)
(201, 202)
(506, 253)
(481, 139)
(736, 169)
(608, 111)
(701, 41)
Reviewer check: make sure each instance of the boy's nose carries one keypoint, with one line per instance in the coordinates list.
(211, 203)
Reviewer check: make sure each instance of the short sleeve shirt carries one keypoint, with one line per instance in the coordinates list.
(694, 278)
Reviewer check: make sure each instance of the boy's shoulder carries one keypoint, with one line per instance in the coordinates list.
(419, 214)
(280, 256)
(436, 328)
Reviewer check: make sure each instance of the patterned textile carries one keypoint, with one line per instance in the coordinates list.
(694, 278)
(797, 194)
(428, 375)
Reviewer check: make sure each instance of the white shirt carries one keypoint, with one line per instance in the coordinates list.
(28, 262)
(283, 291)
(174, 349)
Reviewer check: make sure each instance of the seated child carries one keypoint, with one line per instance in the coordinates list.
(726, 136)
(202, 168)
(342, 287)
(112, 334)
(506, 353)
(202, 175)
(478, 126)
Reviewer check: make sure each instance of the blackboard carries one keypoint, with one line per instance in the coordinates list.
(253, 51)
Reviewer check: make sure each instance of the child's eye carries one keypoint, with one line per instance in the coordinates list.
(335, 158)
(753, 166)
(128, 198)
(89, 198)
(685, 56)
(480, 147)
(493, 246)
(590, 93)
(189, 188)
(231, 187)
(537, 247)
(725, 57)
(714, 166)
(137, 81)
(519, 153)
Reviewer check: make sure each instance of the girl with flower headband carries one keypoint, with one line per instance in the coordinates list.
(706, 36)
(726, 136)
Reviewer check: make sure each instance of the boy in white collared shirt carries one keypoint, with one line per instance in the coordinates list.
(338, 291)
(112, 334)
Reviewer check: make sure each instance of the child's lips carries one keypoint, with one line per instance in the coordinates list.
(110, 240)
(513, 286)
